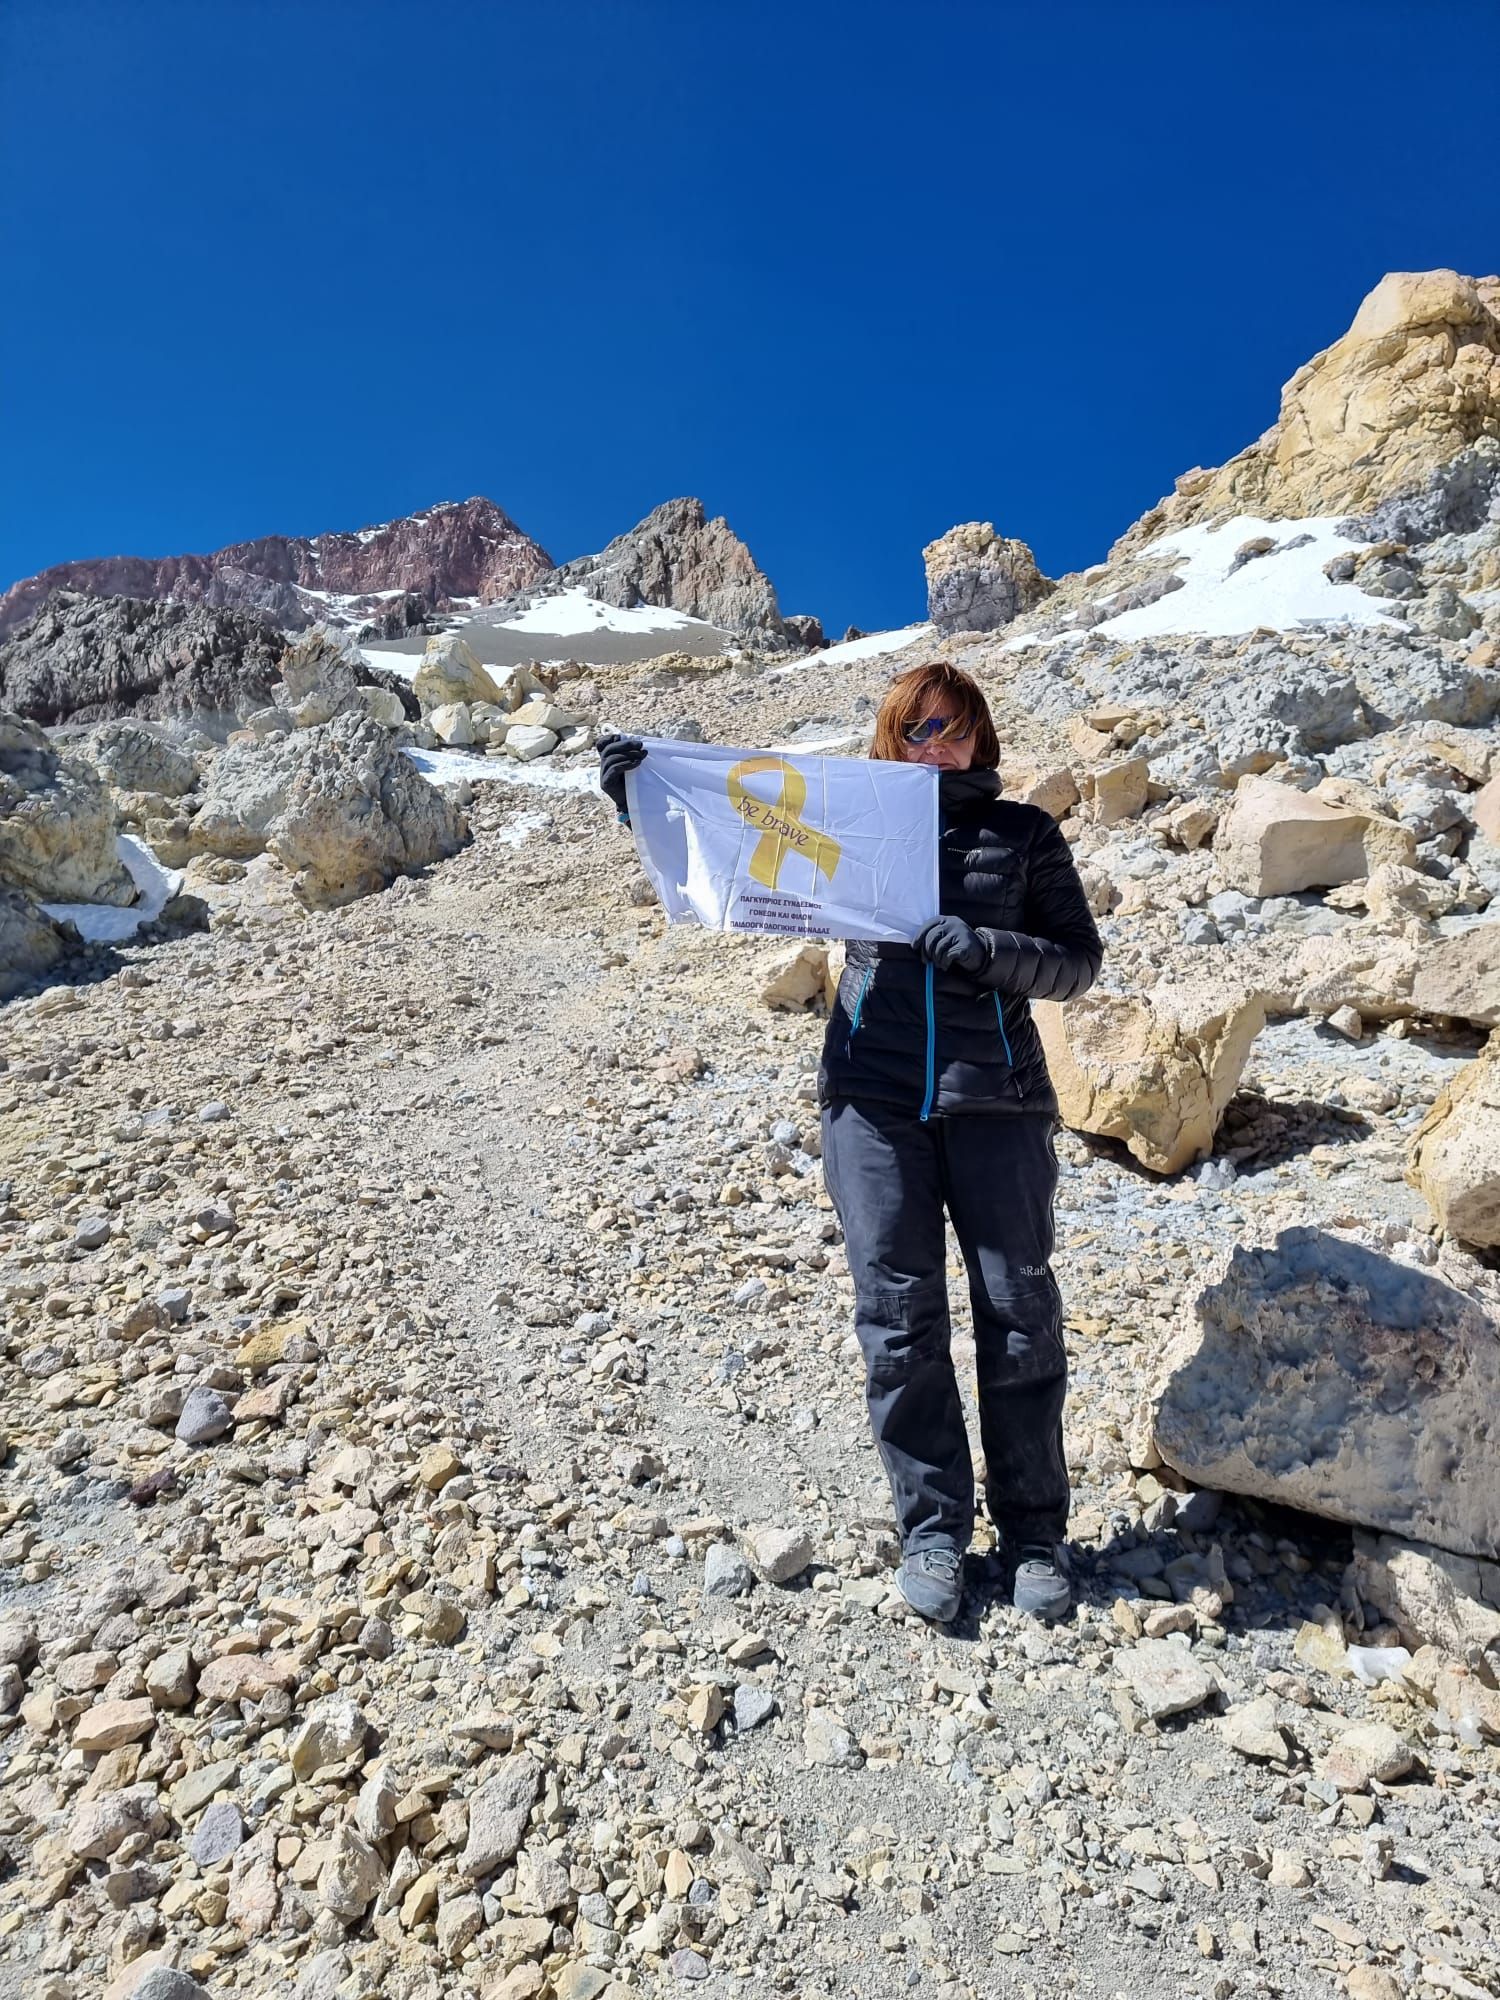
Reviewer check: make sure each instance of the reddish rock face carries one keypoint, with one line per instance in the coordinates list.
(465, 548)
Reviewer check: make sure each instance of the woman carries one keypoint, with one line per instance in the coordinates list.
(935, 1096)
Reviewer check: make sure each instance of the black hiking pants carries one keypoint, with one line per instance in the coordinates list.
(890, 1178)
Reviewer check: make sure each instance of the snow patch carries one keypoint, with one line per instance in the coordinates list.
(870, 647)
(1283, 590)
(443, 766)
(403, 664)
(108, 923)
(573, 612)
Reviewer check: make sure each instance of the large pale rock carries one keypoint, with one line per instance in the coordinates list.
(1320, 1374)
(1430, 1595)
(339, 806)
(57, 823)
(1414, 381)
(1455, 1154)
(1275, 840)
(318, 680)
(798, 976)
(450, 673)
(1384, 978)
(30, 943)
(1152, 1069)
(978, 581)
(134, 758)
(352, 1876)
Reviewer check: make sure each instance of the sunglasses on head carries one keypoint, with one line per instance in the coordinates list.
(937, 725)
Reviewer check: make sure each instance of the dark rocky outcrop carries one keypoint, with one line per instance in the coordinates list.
(458, 549)
(677, 557)
(95, 659)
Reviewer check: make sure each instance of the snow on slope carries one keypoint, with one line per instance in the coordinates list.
(109, 923)
(868, 648)
(1283, 589)
(573, 613)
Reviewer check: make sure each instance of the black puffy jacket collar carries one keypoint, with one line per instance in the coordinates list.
(964, 792)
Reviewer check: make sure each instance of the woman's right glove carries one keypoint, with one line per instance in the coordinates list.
(617, 755)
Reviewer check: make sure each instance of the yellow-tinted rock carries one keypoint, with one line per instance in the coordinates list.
(1455, 1154)
(1414, 380)
(1154, 1070)
(1275, 840)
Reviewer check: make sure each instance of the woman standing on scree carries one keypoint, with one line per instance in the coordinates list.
(935, 1096)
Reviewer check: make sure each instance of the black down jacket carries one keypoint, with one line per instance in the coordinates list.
(946, 1042)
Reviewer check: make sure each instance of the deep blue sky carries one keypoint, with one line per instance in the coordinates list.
(851, 272)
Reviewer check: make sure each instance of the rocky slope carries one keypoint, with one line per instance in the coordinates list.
(679, 558)
(441, 1553)
(468, 549)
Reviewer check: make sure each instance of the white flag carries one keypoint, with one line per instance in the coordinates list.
(765, 840)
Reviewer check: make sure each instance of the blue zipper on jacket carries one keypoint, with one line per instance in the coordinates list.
(1005, 1044)
(931, 1048)
(859, 1003)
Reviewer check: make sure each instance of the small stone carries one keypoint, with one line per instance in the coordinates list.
(218, 1834)
(825, 1740)
(1288, 1871)
(108, 1724)
(1164, 1678)
(1370, 1752)
(753, 1705)
(725, 1572)
(333, 1733)
(780, 1555)
(1372, 1982)
(580, 1981)
(205, 1416)
(169, 1678)
(437, 1466)
(1252, 1730)
(460, 1920)
(1346, 1021)
(687, 1964)
(352, 1876)
(213, 1114)
(100, 1825)
(498, 1813)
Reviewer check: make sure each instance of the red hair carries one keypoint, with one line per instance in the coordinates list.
(911, 694)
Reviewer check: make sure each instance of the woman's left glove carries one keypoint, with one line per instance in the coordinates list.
(617, 755)
(952, 945)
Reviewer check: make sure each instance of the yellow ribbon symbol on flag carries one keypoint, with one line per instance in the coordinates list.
(782, 830)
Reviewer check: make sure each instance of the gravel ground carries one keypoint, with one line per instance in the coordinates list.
(503, 1202)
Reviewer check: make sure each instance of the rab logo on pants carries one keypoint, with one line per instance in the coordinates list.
(782, 830)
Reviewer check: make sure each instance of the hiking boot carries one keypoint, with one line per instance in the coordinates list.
(1041, 1587)
(932, 1581)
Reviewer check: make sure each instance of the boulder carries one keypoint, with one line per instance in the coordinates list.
(382, 706)
(134, 758)
(453, 724)
(1275, 840)
(1119, 789)
(528, 740)
(798, 976)
(1484, 809)
(318, 680)
(451, 673)
(1155, 1069)
(1431, 1596)
(1317, 1373)
(1454, 1160)
(1454, 974)
(57, 823)
(339, 806)
(1388, 406)
(31, 945)
(978, 581)
(1050, 786)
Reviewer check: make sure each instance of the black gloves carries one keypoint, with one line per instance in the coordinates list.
(951, 945)
(617, 755)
